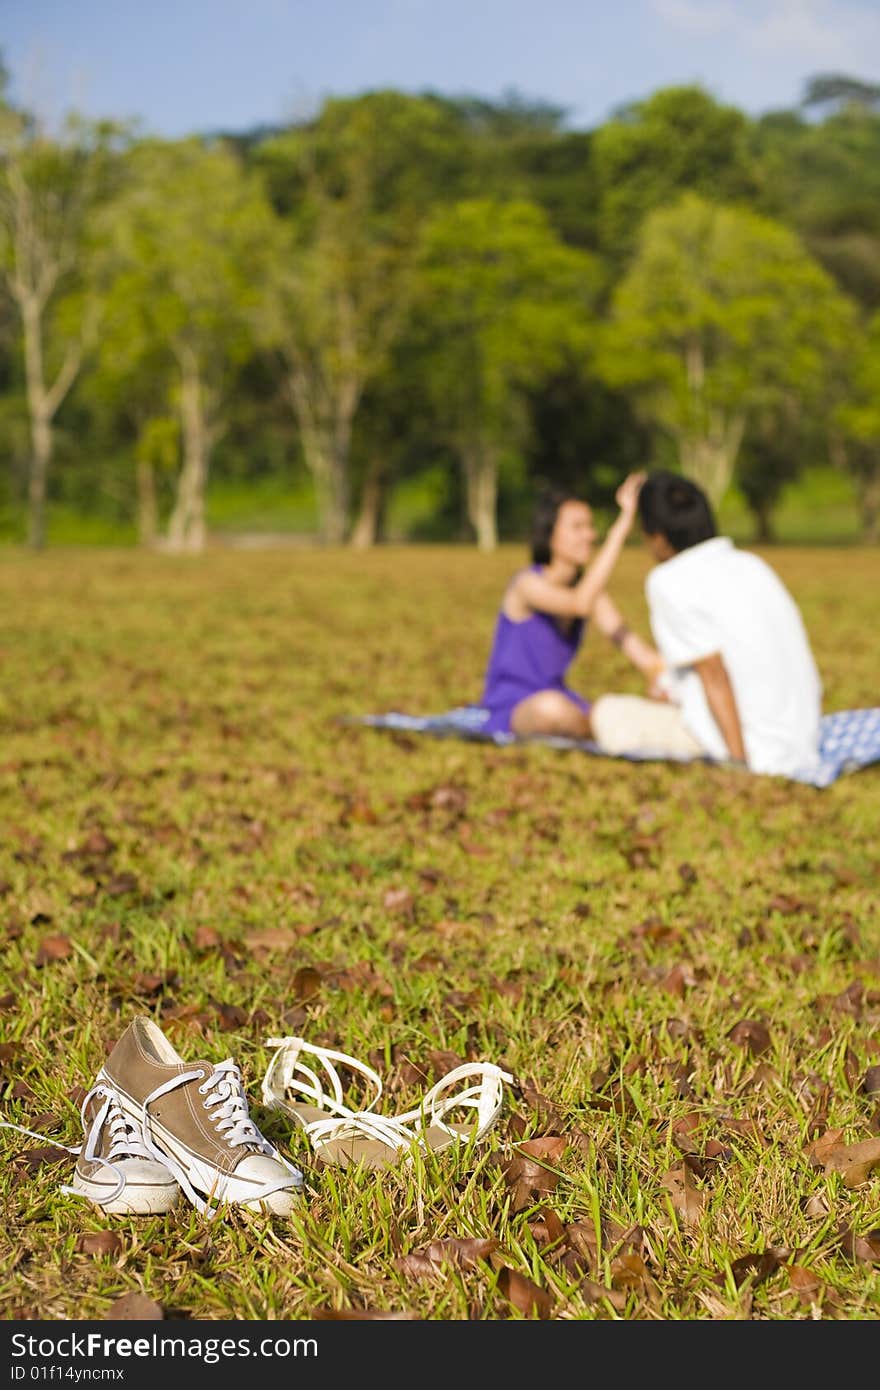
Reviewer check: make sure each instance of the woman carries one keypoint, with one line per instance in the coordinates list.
(544, 614)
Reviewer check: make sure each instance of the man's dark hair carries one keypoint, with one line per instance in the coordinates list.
(544, 517)
(674, 507)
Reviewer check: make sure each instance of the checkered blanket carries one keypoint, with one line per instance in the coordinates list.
(849, 739)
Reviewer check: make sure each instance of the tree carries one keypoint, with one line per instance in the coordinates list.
(501, 303)
(722, 315)
(836, 89)
(188, 248)
(857, 443)
(652, 151)
(353, 188)
(48, 193)
(823, 179)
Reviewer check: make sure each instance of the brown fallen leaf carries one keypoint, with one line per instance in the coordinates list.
(461, 1253)
(687, 1200)
(272, 939)
(548, 1229)
(807, 1285)
(818, 1148)
(100, 1243)
(53, 948)
(530, 1172)
(399, 901)
(597, 1293)
(870, 1082)
(865, 1248)
(757, 1267)
(751, 1033)
(35, 1158)
(853, 1161)
(134, 1306)
(524, 1294)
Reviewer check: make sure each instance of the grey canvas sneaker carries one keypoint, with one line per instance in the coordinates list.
(194, 1118)
(115, 1169)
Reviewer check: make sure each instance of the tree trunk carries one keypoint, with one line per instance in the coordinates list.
(765, 532)
(186, 527)
(869, 504)
(372, 505)
(481, 489)
(709, 459)
(147, 505)
(41, 453)
(325, 433)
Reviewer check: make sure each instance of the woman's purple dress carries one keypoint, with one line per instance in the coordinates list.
(526, 657)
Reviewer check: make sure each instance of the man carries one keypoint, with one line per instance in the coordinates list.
(741, 683)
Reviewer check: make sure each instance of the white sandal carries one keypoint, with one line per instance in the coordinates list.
(346, 1137)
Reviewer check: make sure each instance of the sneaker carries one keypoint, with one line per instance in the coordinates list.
(194, 1119)
(115, 1169)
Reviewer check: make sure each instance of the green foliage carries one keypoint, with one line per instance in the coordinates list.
(332, 256)
(722, 315)
(678, 139)
(824, 180)
(505, 303)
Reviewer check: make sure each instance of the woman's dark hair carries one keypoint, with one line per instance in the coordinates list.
(674, 507)
(544, 517)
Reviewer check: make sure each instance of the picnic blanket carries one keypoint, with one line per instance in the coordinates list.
(849, 739)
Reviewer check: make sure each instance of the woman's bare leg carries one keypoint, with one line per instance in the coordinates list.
(549, 712)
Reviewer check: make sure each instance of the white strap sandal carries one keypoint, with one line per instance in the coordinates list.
(301, 1091)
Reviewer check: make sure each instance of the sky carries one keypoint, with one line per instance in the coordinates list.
(177, 67)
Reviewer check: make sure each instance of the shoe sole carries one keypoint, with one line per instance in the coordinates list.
(202, 1176)
(141, 1199)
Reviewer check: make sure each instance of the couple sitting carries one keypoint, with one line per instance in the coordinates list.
(732, 676)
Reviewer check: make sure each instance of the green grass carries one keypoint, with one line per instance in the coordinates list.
(679, 964)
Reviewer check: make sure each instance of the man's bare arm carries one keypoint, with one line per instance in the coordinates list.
(722, 703)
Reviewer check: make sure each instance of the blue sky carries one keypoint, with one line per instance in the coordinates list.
(179, 66)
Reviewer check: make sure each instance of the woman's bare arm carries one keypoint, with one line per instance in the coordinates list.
(543, 596)
(611, 623)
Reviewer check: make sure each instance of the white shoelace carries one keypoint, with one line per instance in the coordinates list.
(226, 1104)
(124, 1140)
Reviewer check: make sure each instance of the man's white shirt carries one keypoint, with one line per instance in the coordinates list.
(713, 597)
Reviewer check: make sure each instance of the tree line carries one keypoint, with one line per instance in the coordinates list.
(403, 284)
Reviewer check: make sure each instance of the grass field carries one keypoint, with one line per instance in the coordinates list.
(679, 965)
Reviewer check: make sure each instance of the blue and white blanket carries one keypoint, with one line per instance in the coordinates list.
(849, 739)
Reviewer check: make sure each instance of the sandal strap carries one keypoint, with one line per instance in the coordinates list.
(288, 1072)
(400, 1131)
(485, 1096)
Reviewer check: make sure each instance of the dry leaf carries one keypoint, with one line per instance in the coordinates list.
(134, 1306)
(865, 1248)
(597, 1293)
(525, 1295)
(805, 1283)
(272, 939)
(100, 1243)
(853, 1161)
(687, 1200)
(53, 948)
(548, 1230)
(750, 1033)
